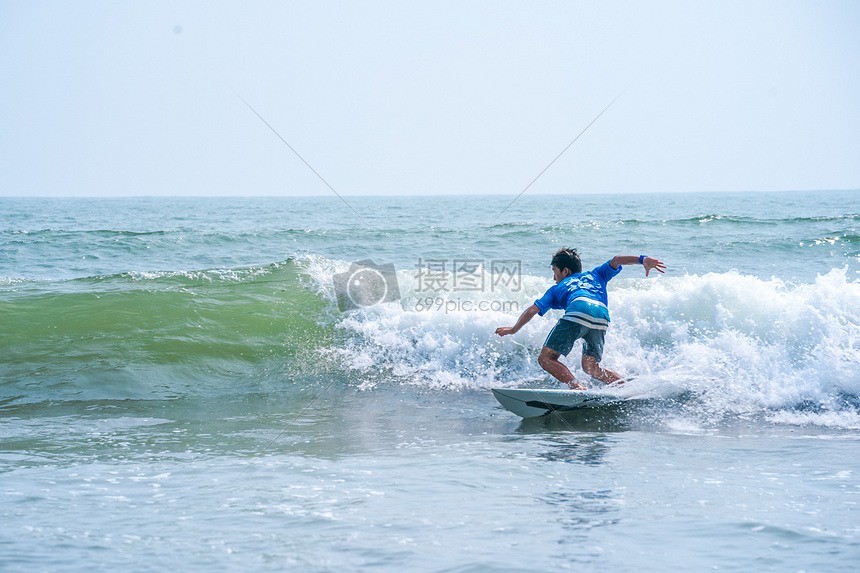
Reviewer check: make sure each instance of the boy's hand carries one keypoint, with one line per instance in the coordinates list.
(521, 321)
(650, 264)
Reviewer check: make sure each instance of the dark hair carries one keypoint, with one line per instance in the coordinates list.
(566, 258)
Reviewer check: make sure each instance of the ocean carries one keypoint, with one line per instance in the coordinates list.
(303, 384)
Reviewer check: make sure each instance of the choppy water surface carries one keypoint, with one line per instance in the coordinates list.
(181, 388)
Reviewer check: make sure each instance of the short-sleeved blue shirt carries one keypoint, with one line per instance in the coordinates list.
(582, 296)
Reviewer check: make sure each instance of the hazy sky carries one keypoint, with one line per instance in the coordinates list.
(403, 98)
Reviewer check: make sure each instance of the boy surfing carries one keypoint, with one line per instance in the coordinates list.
(583, 297)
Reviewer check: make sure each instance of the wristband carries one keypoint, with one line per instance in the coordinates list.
(641, 258)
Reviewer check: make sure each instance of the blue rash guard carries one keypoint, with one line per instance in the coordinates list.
(582, 296)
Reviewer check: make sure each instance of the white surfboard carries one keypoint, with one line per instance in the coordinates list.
(530, 403)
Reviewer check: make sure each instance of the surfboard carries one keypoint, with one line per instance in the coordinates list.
(530, 403)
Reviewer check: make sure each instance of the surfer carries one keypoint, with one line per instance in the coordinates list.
(582, 295)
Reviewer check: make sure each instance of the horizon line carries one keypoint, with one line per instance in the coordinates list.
(440, 195)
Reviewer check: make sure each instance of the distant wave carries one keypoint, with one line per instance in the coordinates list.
(708, 218)
(121, 233)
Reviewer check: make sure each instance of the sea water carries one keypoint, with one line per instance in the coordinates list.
(187, 383)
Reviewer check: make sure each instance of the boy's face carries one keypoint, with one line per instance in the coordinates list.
(560, 274)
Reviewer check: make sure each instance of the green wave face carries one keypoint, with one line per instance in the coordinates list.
(135, 336)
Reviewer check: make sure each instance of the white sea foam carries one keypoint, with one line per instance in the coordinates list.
(207, 276)
(741, 345)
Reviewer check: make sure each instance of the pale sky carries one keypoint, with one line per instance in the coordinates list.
(114, 99)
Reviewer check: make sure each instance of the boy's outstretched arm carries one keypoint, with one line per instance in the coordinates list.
(526, 316)
(647, 262)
